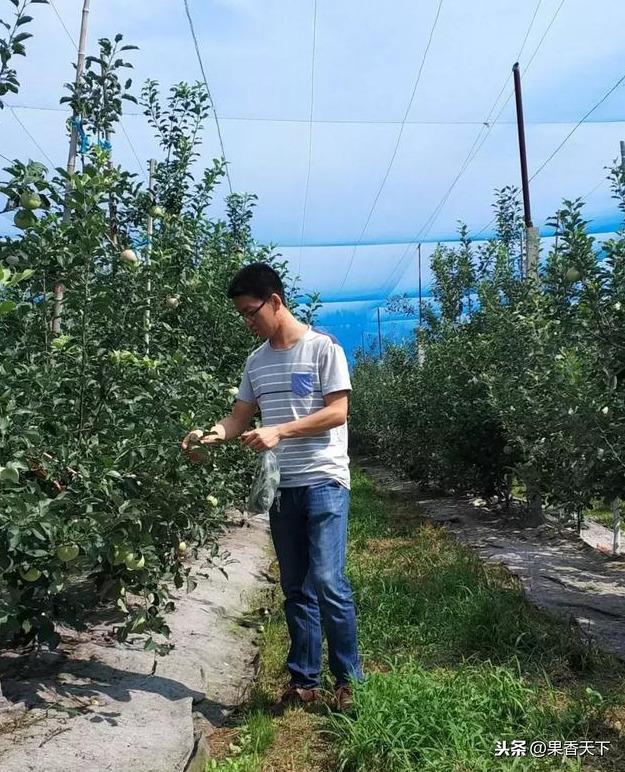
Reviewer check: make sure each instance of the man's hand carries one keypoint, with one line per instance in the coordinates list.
(262, 439)
(200, 437)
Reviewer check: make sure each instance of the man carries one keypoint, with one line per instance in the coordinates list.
(300, 381)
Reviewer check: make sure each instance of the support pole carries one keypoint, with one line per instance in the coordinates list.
(616, 526)
(532, 242)
(148, 264)
(58, 289)
(80, 69)
(112, 202)
(379, 333)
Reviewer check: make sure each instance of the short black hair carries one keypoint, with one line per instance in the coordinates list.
(259, 280)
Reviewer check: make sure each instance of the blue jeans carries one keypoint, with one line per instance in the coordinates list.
(309, 532)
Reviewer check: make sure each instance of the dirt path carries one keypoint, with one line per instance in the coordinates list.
(557, 569)
(95, 705)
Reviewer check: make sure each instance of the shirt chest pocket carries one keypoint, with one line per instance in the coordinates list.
(302, 384)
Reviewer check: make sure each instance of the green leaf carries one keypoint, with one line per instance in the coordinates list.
(15, 537)
(6, 306)
(25, 275)
(9, 474)
(38, 534)
(23, 20)
(36, 553)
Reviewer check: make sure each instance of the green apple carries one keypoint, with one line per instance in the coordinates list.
(24, 219)
(119, 555)
(67, 552)
(30, 200)
(31, 575)
(129, 256)
(134, 562)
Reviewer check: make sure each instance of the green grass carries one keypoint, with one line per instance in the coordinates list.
(463, 660)
(420, 594)
(602, 513)
(456, 660)
(248, 746)
(412, 718)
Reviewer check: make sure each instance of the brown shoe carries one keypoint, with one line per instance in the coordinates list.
(344, 700)
(294, 696)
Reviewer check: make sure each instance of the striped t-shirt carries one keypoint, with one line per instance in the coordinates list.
(288, 384)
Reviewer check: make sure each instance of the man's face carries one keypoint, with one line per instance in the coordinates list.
(260, 316)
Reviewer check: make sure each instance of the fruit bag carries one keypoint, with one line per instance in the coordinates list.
(265, 484)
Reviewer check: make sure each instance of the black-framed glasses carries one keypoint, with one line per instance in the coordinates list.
(248, 315)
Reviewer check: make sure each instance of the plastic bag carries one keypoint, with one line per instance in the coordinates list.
(265, 484)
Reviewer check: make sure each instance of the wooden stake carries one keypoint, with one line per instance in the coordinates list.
(148, 263)
(616, 526)
(58, 289)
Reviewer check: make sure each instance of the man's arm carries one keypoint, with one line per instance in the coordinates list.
(228, 428)
(332, 415)
(236, 423)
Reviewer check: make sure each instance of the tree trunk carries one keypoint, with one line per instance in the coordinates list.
(534, 506)
(6, 706)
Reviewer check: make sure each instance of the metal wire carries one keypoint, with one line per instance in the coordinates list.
(310, 128)
(208, 91)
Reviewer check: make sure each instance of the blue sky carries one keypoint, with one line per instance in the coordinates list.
(258, 58)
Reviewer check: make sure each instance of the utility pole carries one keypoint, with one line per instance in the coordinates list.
(557, 232)
(530, 269)
(616, 502)
(148, 263)
(531, 260)
(420, 349)
(420, 295)
(58, 289)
